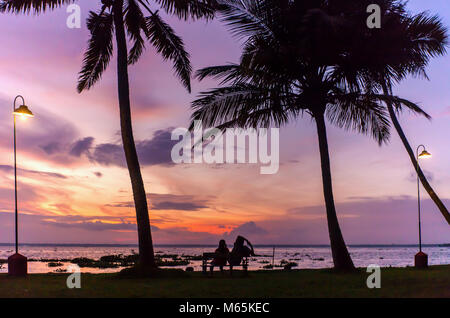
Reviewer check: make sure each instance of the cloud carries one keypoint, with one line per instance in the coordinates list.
(81, 146)
(47, 137)
(246, 229)
(168, 202)
(365, 220)
(61, 145)
(10, 169)
(176, 202)
(154, 151)
(108, 155)
(377, 222)
(28, 194)
(94, 225)
(128, 204)
(67, 229)
(55, 139)
(51, 148)
(49, 134)
(412, 177)
(185, 236)
(182, 206)
(63, 208)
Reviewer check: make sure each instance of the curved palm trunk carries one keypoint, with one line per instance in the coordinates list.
(412, 156)
(341, 257)
(146, 253)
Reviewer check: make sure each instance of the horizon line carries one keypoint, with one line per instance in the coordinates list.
(214, 245)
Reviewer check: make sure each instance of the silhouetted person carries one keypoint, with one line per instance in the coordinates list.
(240, 251)
(221, 257)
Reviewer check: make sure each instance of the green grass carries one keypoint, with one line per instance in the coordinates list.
(395, 282)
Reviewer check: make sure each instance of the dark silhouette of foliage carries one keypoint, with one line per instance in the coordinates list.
(296, 61)
(403, 46)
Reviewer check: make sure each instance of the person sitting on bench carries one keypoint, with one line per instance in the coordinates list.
(240, 251)
(221, 256)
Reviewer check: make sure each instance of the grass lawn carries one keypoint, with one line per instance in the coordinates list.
(395, 282)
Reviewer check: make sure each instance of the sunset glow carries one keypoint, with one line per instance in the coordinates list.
(74, 187)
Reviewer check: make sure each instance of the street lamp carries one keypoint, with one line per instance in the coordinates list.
(17, 264)
(420, 259)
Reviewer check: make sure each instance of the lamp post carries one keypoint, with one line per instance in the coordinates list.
(420, 259)
(17, 264)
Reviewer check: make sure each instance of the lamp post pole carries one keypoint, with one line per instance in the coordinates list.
(418, 197)
(420, 259)
(17, 264)
(15, 182)
(15, 173)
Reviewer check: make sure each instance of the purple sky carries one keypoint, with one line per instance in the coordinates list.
(73, 187)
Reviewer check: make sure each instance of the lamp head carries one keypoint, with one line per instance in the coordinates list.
(425, 154)
(23, 111)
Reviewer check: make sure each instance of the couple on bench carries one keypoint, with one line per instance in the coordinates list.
(234, 258)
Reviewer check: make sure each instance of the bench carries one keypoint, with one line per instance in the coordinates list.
(208, 257)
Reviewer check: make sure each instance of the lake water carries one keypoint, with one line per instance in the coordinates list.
(303, 256)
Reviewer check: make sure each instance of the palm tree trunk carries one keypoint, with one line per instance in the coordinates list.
(341, 257)
(412, 156)
(146, 253)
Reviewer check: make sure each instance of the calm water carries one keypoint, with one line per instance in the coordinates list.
(305, 257)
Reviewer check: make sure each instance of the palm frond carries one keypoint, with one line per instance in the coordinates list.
(428, 34)
(242, 105)
(360, 113)
(31, 6)
(399, 103)
(170, 46)
(99, 52)
(218, 72)
(185, 9)
(135, 24)
(232, 74)
(247, 17)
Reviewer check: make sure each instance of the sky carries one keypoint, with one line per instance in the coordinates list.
(74, 186)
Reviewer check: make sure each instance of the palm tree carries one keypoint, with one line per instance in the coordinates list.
(404, 45)
(412, 42)
(126, 19)
(286, 72)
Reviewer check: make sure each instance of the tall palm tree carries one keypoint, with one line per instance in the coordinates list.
(412, 40)
(131, 21)
(285, 73)
(403, 45)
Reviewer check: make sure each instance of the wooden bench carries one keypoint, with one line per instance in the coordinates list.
(208, 257)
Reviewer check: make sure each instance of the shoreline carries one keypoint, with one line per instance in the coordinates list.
(181, 259)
